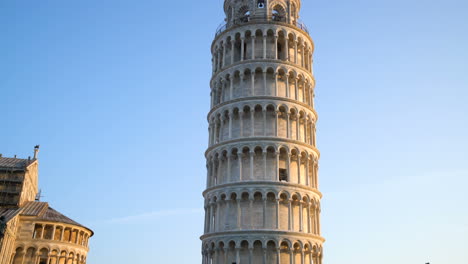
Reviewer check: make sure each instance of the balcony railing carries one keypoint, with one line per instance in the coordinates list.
(302, 26)
(224, 26)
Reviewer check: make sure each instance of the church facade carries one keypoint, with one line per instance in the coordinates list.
(262, 198)
(32, 232)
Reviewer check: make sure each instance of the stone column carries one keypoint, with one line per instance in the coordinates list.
(252, 84)
(265, 88)
(276, 123)
(278, 252)
(318, 222)
(217, 216)
(287, 47)
(237, 255)
(276, 83)
(219, 174)
(241, 81)
(216, 138)
(211, 226)
(290, 218)
(277, 156)
(295, 52)
(303, 61)
(220, 59)
(42, 231)
(242, 48)
(265, 154)
(276, 47)
(252, 154)
(240, 157)
(239, 213)
(62, 233)
(216, 61)
(230, 116)
(301, 217)
(288, 166)
(212, 175)
(296, 88)
(251, 200)
(265, 200)
(251, 255)
(316, 175)
(216, 256)
(299, 168)
(288, 125)
(252, 122)
(36, 258)
(209, 133)
(264, 46)
(226, 215)
(231, 87)
(233, 41)
(264, 122)
(241, 122)
(212, 98)
(277, 213)
(229, 178)
(298, 126)
(224, 54)
(307, 171)
(287, 84)
(54, 229)
(253, 47)
(221, 128)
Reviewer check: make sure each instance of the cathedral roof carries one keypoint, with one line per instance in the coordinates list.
(9, 213)
(14, 163)
(44, 212)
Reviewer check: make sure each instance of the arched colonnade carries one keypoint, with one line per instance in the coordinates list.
(262, 210)
(262, 120)
(258, 80)
(262, 252)
(61, 233)
(44, 255)
(262, 163)
(267, 42)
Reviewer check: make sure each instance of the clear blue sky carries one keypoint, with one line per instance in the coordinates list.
(111, 89)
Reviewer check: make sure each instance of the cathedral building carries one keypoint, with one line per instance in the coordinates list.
(32, 232)
(262, 201)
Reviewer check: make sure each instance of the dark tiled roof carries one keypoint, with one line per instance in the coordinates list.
(45, 213)
(54, 216)
(9, 213)
(34, 208)
(13, 163)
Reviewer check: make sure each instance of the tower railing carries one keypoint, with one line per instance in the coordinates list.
(246, 19)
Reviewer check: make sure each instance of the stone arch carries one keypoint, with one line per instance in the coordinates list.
(19, 255)
(278, 12)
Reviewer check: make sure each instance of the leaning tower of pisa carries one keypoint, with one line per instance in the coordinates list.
(262, 202)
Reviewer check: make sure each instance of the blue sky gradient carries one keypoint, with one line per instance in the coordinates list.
(117, 92)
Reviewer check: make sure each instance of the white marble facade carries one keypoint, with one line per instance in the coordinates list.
(262, 202)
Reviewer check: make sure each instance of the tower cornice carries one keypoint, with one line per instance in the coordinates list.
(258, 184)
(261, 23)
(256, 98)
(260, 141)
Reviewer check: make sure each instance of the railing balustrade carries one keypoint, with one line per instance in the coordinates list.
(239, 21)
